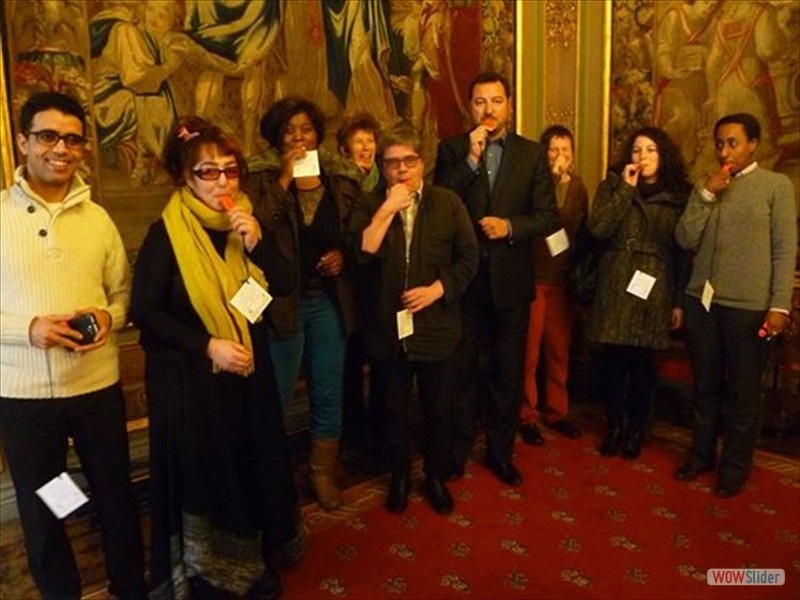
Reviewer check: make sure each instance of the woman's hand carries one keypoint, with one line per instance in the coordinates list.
(561, 168)
(631, 174)
(230, 356)
(287, 165)
(398, 197)
(247, 226)
(331, 263)
(676, 319)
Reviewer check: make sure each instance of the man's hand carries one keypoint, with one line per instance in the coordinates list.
(716, 182)
(230, 356)
(422, 297)
(47, 331)
(775, 322)
(331, 263)
(494, 228)
(103, 322)
(477, 142)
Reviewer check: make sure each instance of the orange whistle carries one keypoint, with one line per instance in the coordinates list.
(227, 203)
(727, 167)
(489, 122)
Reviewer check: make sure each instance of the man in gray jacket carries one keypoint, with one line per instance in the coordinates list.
(741, 225)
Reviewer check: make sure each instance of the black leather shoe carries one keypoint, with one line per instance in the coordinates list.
(397, 500)
(632, 447)
(530, 434)
(611, 443)
(727, 490)
(439, 497)
(689, 471)
(505, 472)
(566, 429)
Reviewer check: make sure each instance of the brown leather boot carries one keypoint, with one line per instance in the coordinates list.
(323, 462)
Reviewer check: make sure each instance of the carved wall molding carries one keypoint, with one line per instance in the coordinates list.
(560, 115)
(561, 17)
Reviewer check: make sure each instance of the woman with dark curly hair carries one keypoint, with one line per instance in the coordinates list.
(307, 215)
(635, 211)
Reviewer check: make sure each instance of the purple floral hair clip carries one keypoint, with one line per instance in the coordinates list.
(187, 135)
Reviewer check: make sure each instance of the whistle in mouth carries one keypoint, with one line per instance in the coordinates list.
(489, 122)
(227, 203)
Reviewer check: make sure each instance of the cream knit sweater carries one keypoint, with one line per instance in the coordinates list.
(55, 259)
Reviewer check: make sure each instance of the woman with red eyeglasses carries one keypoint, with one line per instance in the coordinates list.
(222, 495)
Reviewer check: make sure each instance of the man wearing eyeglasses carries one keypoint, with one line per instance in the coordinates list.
(503, 179)
(64, 288)
(418, 254)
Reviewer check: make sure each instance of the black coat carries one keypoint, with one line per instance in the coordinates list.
(523, 194)
(443, 247)
(217, 445)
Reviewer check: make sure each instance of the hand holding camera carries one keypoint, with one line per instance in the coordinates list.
(80, 332)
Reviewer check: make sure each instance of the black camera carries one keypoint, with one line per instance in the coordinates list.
(87, 325)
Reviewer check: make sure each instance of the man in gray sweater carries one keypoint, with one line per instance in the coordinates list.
(741, 225)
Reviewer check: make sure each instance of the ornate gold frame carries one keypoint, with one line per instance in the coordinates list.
(6, 133)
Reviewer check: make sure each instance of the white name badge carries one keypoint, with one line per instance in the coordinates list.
(308, 166)
(641, 284)
(62, 496)
(707, 296)
(251, 300)
(557, 242)
(405, 324)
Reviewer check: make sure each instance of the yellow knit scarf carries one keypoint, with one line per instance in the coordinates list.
(211, 281)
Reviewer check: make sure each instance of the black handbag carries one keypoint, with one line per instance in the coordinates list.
(584, 266)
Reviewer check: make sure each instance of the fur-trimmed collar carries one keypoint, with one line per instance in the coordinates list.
(330, 163)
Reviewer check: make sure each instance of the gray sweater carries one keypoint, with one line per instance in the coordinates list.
(744, 241)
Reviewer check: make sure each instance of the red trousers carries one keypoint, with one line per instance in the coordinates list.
(549, 333)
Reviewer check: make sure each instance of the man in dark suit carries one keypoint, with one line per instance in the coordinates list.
(505, 184)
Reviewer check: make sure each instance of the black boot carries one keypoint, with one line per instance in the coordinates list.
(397, 500)
(611, 443)
(632, 447)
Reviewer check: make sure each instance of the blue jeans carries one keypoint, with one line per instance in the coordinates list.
(321, 335)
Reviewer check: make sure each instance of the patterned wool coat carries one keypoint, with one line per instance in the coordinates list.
(640, 235)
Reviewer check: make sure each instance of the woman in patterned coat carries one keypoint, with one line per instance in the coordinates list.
(635, 212)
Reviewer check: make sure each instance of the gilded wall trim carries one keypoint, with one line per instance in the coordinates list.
(6, 134)
(561, 22)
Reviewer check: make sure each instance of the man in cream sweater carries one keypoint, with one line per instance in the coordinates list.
(62, 257)
(741, 224)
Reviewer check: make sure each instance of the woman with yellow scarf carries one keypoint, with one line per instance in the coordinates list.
(222, 495)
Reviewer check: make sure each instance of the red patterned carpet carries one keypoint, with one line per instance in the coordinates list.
(579, 527)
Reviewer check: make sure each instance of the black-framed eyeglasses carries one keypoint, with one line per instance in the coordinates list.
(50, 138)
(213, 173)
(409, 162)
